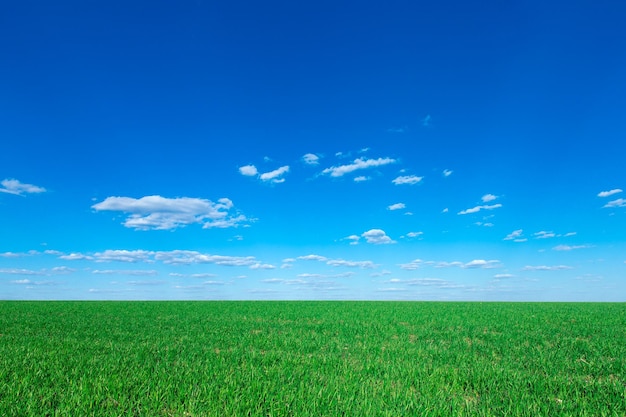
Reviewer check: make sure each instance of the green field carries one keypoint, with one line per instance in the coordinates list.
(312, 359)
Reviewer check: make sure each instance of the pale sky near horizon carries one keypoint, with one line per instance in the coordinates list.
(313, 150)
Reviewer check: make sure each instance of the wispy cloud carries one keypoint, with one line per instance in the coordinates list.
(132, 272)
(488, 197)
(117, 255)
(361, 178)
(275, 176)
(479, 208)
(13, 186)
(620, 202)
(354, 239)
(18, 271)
(311, 159)
(338, 262)
(173, 257)
(351, 264)
(544, 235)
(546, 268)
(424, 282)
(358, 164)
(377, 237)
(259, 265)
(326, 276)
(516, 236)
(160, 213)
(187, 257)
(201, 275)
(474, 264)
(407, 179)
(609, 193)
(568, 247)
(447, 172)
(426, 120)
(397, 206)
(313, 257)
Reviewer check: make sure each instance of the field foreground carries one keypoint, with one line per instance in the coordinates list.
(312, 359)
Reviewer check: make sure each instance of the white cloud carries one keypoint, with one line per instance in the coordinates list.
(131, 256)
(311, 159)
(359, 163)
(160, 213)
(397, 206)
(75, 257)
(620, 202)
(62, 270)
(479, 208)
(544, 235)
(202, 275)
(481, 263)
(133, 272)
(474, 264)
(248, 170)
(342, 275)
(147, 282)
(447, 172)
(377, 237)
(414, 234)
(501, 276)
(568, 247)
(609, 193)
(488, 197)
(570, 234)
(275, 175)
(313, 258)
(17, 271)
(354, 239)
(515, 236)
(445, 210)
(338, 262)
(351, 264)
(407, 179)
(13, 186)
(187, 257)
(413, 265)
(22, 281)
(259, 265)
(546, 268)
(361, 178)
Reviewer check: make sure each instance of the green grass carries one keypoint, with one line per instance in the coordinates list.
(312, 359)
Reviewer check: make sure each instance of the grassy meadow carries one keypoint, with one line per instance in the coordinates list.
(312, 359)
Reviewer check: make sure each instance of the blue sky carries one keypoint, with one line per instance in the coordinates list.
(322, 150)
